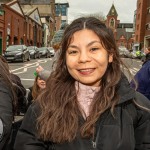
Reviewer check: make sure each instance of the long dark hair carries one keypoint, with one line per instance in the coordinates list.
(5, 77)
(60, 112)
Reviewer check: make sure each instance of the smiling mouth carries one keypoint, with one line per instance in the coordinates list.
(86, 71)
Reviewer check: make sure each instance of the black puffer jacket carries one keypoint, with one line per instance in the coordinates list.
(129, 130)
(6, 113)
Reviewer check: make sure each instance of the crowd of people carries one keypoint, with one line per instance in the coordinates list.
(86, 102)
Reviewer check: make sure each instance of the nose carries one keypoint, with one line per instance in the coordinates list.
(84, 57)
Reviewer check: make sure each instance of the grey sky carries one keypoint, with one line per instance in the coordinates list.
(125, 8)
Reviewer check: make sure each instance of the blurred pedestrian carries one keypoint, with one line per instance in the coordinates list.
(8, 102)
(36, 89)
(142, 77)
(21, 93)
(88, 102)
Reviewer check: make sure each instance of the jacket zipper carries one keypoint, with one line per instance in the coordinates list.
(94, 144)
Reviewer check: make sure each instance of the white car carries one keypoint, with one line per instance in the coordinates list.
(51, 49)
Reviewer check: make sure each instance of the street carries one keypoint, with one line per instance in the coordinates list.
(26, 70)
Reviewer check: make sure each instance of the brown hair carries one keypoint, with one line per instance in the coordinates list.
(5, 76)
(35, 89)
(60, 112)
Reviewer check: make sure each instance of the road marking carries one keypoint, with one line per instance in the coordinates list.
(27, 79)
(26, 66)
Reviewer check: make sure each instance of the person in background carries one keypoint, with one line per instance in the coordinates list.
(142, 77)
(21, 93)
(36, 89)
(8, 102)
(19, 89)
(88, 102)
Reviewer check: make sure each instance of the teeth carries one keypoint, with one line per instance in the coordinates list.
(86, 70)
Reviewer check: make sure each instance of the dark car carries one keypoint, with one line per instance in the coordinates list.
(34, 52)
(17, 52)
(51, 49)
(44, 52)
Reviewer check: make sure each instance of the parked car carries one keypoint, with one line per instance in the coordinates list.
(34, 52)
(51, 49)
(123, 52)
(17, 52)
(44, 52)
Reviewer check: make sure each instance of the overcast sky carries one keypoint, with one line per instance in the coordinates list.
(124, 8)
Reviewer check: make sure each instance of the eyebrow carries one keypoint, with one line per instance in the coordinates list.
(89, 44)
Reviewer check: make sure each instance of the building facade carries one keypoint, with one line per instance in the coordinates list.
(33, 28)
(18, 27)
(14, 21)
(123, 32)
(142, 24)
(61, 11)
(46, 10)
(2, 28)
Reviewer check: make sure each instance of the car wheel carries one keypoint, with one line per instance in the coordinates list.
(39, 56)
(23, 58)
(34, 56)
(28, 58)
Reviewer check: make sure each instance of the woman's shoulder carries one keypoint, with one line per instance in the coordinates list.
(142, 101)
(34, 108)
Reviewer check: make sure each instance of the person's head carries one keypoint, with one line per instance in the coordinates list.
(38, 86)
(57, 38)
(89, 52)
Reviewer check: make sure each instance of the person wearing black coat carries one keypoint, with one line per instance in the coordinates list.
(88, 103)
(20, 92)
(111, 134)
(7, 104)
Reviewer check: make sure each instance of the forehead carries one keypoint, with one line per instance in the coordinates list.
(84, 35)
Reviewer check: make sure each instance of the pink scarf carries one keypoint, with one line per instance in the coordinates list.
(85, 96)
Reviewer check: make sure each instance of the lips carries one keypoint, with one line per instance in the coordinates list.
(87, 71)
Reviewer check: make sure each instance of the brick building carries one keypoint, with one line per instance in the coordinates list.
(2, 28)
(123, 32)
(18, 27)
(33, 28)
(46, 10)
(14, 24)
(142, 25)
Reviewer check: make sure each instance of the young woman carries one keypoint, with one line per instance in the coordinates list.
(88, 103)
(36, 89)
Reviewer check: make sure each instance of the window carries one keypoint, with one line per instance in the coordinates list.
(148, 10)
(138, 16)
(148, 26)
(112, 22)
(137, 27)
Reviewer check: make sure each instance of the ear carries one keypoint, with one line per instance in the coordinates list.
(110, 58)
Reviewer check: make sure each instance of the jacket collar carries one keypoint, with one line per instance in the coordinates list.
(125, 92)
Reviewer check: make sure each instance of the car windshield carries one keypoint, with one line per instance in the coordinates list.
(42, 48)
(14, 47)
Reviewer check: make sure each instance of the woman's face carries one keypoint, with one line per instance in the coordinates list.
(41, 83)
(86, 59)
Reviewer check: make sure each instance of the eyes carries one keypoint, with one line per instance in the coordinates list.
(73, 51)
